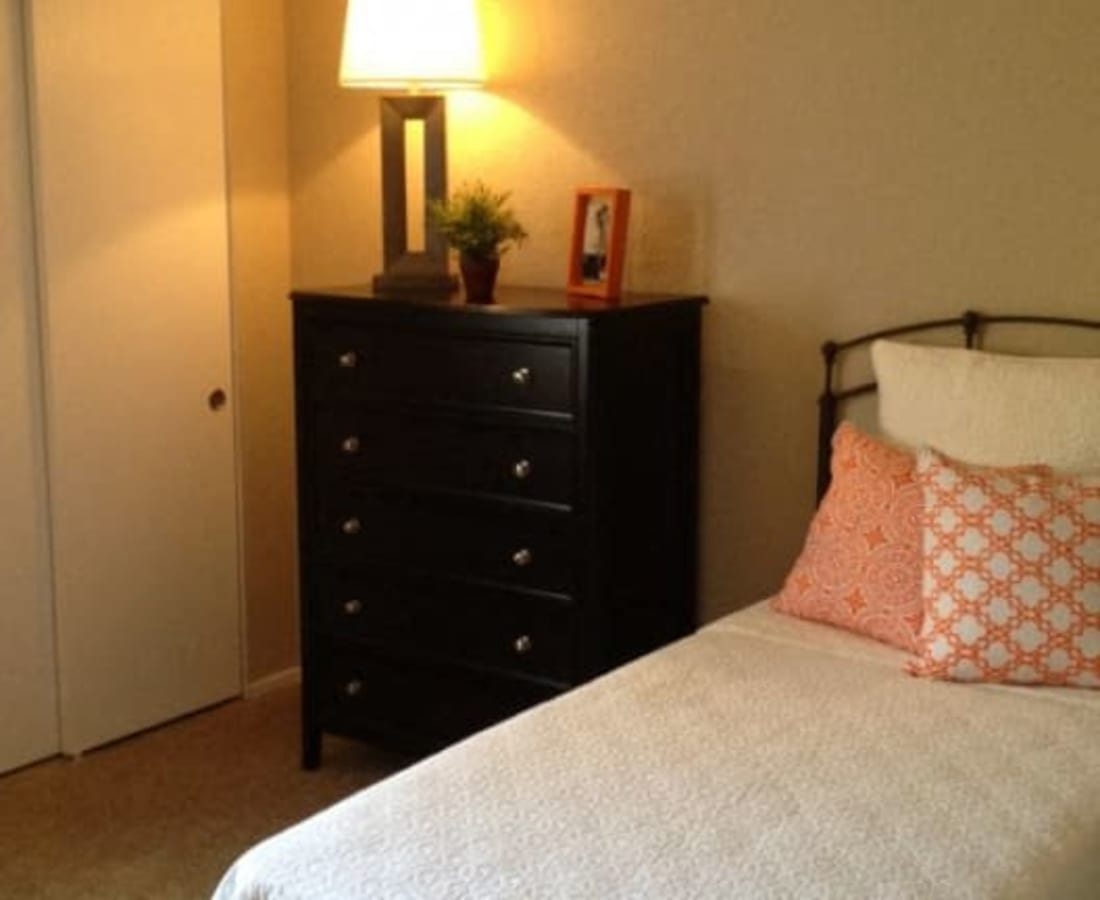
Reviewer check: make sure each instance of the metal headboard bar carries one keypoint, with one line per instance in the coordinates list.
(972, 323)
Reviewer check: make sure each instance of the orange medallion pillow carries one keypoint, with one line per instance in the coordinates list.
(1011, 582)
(860, 568)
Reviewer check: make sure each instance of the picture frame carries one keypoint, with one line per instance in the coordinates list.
(600, 219)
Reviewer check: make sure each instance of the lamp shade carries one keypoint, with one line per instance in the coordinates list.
(411, 45)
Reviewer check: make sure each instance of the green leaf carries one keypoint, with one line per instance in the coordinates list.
(477, 221)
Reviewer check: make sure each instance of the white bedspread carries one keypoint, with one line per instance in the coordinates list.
(762, 758)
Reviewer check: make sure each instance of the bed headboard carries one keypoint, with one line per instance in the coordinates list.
(971, 327)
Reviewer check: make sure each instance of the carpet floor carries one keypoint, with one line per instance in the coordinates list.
(161, 815)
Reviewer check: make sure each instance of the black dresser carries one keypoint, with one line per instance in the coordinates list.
(496, 503)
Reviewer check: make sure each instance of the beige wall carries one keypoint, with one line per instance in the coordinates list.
(256, 120)
(819, 168)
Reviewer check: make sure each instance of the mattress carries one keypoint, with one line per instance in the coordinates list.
(762, 757)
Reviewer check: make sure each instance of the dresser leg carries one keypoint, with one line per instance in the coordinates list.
(311, 748)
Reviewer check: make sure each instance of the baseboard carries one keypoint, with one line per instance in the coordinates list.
(272, 682)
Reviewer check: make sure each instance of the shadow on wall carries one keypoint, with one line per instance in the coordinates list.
(672, 243)
(759, 433)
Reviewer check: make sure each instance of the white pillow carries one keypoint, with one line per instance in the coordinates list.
(988, 408)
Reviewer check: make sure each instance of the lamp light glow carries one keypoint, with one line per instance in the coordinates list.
(411, 45)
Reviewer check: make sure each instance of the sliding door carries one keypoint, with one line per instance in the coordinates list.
(133, 260)
(28, 693)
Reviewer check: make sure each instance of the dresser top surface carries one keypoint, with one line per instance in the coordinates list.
(509, 300)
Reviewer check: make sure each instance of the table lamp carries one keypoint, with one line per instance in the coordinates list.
(414, 48)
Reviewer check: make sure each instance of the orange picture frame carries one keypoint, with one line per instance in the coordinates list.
(596, 252)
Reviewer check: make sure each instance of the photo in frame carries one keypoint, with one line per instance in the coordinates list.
(600, 218)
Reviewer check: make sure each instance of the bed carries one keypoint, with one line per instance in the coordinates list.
(772, 755)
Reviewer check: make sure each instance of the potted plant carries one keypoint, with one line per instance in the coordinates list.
(478, 223)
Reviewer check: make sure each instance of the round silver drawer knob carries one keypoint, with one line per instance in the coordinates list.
(523, 557)
(353, 688)
(350, 445)
(523, 644)
(353, 607)
(521, 469)
(351, 526)
(521, 376)
(349, 359)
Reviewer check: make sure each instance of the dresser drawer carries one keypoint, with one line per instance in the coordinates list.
(446, 454)
(508, 546)
(380, 366)
(361, 692)
(528, 634)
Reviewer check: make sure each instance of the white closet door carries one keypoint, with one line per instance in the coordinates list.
(131, 201)
(28, 689)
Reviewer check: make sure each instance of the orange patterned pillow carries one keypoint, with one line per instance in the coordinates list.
(860, 568)
(1011, 580)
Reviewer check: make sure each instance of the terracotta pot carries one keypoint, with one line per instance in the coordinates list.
(479, 277)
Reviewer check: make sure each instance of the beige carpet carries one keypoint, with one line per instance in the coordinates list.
(161, 815)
